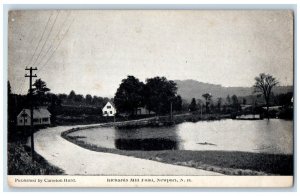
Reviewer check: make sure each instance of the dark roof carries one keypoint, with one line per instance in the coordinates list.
(37, 113)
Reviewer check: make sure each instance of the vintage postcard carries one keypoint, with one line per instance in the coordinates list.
(150, 98)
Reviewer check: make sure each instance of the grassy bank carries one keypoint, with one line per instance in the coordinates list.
(83, 118)
(225, 162)
(19, 162)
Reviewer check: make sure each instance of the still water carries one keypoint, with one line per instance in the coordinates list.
(263, 136)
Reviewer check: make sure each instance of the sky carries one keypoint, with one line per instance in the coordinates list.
(91, 51)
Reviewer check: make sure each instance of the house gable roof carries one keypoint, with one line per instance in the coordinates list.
(109, 103)
(37, 113)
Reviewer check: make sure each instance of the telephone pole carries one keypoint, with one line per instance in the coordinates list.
(30, 76)
(171, 110)
(201, 110)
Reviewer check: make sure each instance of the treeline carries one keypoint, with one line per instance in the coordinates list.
(43, 96)
(234, 104)
(62, 107)
(207, 104)
(156, 95)
(80, 100)
(159, 95)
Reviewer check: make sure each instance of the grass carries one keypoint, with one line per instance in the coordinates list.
(225, 162)
(19, 162)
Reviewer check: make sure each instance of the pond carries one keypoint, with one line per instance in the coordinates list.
(273, 136)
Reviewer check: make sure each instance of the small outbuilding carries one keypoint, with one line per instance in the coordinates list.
(41, 116)
(273, 108)
(144, 111)
(109, 109)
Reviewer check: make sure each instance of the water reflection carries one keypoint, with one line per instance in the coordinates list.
(146, 139)
(146, 144)
(263, 136)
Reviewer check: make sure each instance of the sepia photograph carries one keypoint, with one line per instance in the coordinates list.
(150, 98)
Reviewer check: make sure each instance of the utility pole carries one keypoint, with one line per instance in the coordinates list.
(114, 120)
(171, 111)
(30, 76)
(201, 110)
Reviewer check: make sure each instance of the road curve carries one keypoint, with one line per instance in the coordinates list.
(75, 160)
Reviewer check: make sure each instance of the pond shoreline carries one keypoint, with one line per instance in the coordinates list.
(225, 162)
(160, 121)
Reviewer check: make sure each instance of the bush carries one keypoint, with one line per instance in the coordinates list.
(286, 113)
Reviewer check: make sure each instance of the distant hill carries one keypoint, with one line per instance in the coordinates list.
(189, 89)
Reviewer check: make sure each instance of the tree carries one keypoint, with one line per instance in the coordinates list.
(40, 87)
(39, 91)
(212, 108)
(200, 104)
(264, 84)
(55, 104)
(129, 95)
(71, 96)
(185, 105)
(98, 101)
(159, 93)
(10, 104)
(88, 99)
(193, 106)
(8, 88)
(228, 100)
(284, 99)
(235, 103)
(219, 103)
(62, 97)
(207, 97)
(244, 101)
(78, 98)
(177, 103)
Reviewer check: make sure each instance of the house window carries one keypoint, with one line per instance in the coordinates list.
(21, 121)
(35, 120)
(108, 107)
(45, 119)
(110, 112)
(105, 112)
(25, 120)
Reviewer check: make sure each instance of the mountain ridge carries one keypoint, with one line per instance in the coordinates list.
(190, 88)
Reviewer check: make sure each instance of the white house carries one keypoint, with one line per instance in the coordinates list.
(41, 116)
(109, 109)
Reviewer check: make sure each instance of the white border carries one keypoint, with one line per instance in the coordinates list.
(113, 4)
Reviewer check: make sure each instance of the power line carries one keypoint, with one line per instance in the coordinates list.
(59, 32)
(29, 62)
(41, 38)
(43, 66)
(52, 44)
(21, 87)
(46, 38)
(22, 84)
